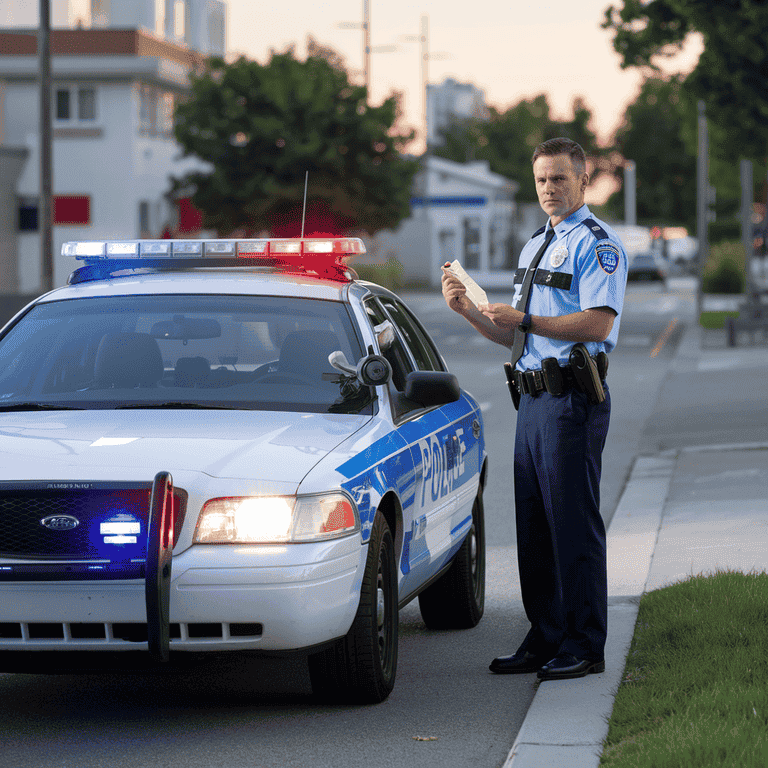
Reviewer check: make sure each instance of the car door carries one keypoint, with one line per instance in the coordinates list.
(440, 439)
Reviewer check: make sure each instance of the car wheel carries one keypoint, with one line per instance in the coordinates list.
(457, 599)
(362, 666)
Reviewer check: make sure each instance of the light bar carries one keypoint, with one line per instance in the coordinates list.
(195, 249)
(313, 257)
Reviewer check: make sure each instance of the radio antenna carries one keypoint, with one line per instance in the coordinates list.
(304, 209)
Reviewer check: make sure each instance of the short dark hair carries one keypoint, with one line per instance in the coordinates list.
(562, 146)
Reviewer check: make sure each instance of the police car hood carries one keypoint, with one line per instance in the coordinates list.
(276, 448)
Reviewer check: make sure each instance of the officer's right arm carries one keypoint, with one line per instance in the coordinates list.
(455, 295)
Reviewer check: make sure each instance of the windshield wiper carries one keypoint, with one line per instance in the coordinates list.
(178, 405)
(32, 406)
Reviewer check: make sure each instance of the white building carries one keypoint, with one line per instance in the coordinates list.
(451, 101)
(459, 211)
(118, 67)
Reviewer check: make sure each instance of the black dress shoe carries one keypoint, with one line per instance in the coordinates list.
(566, 666)
(517, 663)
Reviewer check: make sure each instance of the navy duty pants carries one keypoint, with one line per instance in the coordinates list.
(561, 547)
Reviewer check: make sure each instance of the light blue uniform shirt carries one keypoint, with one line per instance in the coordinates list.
(598, 276)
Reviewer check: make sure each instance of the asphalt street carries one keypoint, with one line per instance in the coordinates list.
(447, 709)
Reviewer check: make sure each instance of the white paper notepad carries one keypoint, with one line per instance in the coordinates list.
(474, 292)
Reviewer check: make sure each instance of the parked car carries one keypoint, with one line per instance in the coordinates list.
(232, 446)
(647, 267)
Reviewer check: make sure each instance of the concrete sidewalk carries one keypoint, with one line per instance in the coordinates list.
(685, 511)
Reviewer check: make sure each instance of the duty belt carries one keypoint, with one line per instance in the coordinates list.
(553, 378)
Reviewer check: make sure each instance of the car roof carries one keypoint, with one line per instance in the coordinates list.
(238, 281)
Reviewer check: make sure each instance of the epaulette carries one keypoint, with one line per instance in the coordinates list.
(596, 229)
(539, 232)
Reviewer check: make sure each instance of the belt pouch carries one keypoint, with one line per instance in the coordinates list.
(585, 373)
(602, 365)
(509, 372)
(553, 376)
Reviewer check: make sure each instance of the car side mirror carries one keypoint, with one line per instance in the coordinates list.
(372, 370)
(432, 387)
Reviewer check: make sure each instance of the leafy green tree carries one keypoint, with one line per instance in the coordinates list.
(507, 140)
(731, 73)
(261, 127)
(652, 135)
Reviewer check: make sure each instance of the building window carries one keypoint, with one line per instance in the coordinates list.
(180, 19)
(28, 214)
(160, 18)
(100, 13)
(71, 209)
(83, 98)
(86, 104)
(144, 219)
(472, 242)
(216, 41)
(156, 109)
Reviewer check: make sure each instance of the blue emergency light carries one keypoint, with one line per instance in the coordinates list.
(314, 257)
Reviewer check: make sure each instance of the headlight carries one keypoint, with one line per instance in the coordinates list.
(276, 519)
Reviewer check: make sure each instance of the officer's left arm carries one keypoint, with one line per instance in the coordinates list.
(593, 324)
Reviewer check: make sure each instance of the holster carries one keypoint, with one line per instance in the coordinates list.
(585, 373)
(509, 372)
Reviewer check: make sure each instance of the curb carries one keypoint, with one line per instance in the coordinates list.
(567, 722)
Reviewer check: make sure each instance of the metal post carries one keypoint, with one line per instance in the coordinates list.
(45, 205)
(702, 199)
(367, 45)
(747, 238)
(630, 193)
(424, 40)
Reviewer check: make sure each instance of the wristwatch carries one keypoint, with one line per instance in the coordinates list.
(525, 323)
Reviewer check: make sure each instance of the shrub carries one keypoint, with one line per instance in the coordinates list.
(726, 278)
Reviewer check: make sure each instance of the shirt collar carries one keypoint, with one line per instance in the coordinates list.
(564, 227)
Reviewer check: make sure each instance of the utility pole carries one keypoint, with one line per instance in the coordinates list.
(367, 45)
(45, 204)
(424, 43)
(702, 199)
(747, 237)
(368, 49)
(630, 193)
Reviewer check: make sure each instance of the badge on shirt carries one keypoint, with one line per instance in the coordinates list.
(607, 256)
(559, 255)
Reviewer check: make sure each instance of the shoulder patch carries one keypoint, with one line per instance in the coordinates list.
(539, 232)
(608, 256)
(596, 229)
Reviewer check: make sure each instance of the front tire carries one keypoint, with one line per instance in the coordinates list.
(362, 666)
(457, 599)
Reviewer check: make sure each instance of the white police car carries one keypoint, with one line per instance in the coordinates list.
(231, 445)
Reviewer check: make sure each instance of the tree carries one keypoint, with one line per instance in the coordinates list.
(732, 71)
(652, 135)
(261, 127)
(507, 140)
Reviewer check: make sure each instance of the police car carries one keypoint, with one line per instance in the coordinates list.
(232, 446)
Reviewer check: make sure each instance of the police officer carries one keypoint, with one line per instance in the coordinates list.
(568, 299)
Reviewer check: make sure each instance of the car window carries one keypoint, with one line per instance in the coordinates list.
(396, 354)
(427, 357)
(252, 352)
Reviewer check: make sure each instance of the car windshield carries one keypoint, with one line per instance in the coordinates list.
(181, 351)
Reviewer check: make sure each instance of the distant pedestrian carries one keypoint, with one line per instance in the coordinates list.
(563, 321)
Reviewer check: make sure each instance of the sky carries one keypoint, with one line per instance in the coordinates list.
(511, 50)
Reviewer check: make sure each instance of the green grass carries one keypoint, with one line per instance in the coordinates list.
(694, 693)
(712, 320)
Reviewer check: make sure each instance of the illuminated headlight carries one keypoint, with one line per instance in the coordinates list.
(276, 519)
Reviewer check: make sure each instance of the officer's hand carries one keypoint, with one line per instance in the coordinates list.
(502, 315)
(454, 292)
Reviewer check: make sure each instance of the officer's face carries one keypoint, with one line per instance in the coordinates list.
(559, 187)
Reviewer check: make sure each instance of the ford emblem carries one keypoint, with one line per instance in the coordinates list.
(60, 522)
